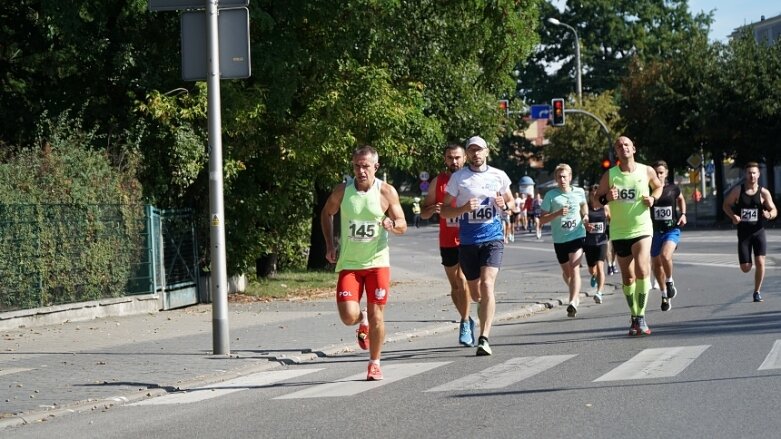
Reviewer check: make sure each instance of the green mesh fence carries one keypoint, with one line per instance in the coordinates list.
(58, 253)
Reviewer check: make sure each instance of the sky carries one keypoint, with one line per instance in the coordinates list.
(730, 14)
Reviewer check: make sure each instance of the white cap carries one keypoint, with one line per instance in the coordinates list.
(476, 140)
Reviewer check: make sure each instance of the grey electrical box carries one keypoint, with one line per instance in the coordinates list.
(234, 49)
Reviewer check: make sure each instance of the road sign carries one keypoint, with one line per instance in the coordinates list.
(178, 5)
(710, 169)
(694, 160)
(423, 175)
(234, 44)
(541, 111)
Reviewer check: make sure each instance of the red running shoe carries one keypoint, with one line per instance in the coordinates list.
(363, 336)
(374, 373)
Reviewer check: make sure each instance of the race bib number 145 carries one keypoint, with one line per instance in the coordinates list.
(363, 230)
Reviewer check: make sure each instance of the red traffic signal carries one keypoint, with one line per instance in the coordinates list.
(557, 112)
(504, 105)
(606, 164)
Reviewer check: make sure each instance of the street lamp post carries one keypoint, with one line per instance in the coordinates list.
(556, 22)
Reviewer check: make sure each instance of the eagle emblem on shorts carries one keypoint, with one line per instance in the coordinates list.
(379, 293)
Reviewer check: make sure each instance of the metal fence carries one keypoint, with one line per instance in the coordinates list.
(54, 254)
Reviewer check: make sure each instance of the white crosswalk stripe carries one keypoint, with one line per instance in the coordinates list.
(227, 387)
(10, 370)
(505, 374)
(773, 359)
(356, 384)
(655, 363)
(649, 363)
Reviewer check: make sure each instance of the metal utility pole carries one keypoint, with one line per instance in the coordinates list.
(219, 277)
(579, 85)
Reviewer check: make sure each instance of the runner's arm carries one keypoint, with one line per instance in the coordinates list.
(430, 206)
(327, 220)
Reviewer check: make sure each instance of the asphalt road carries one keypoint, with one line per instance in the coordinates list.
(710, 369)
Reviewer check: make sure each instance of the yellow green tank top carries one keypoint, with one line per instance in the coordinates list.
(363, 241)
(629, 217)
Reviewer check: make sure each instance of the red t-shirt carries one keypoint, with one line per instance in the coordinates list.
(448, 228)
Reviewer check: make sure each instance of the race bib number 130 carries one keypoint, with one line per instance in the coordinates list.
(663, 213)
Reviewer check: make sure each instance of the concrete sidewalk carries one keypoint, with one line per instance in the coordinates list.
(53, 370)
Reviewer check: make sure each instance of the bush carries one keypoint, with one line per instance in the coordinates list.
(70, 221)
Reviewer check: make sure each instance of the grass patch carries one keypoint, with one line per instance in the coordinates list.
(290, 284)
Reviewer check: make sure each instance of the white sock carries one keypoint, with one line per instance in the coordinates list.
(377, 362)
(669, 279)
(364, 317)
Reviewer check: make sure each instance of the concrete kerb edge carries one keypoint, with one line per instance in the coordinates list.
(135, 395)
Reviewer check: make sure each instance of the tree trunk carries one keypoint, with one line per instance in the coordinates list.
(317, 248)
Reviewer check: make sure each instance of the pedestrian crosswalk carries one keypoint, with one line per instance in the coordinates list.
(651, 363)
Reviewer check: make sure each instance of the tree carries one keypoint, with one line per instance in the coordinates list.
(405, 76)
(666, 102)
(582, 142)
(611, 34)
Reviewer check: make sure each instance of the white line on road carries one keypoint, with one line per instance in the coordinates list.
(773, 359)
(655, 363)
(503, 375)
(357, 383)
(227, 387)
(11, 370)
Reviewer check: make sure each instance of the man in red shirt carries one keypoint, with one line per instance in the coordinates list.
(448, 241)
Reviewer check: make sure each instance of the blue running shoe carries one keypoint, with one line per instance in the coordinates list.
(472, 329)
(757, 296)
(593, 281)
(465, 333)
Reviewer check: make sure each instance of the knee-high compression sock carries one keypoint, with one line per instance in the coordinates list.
(629, 294)
(642, 287)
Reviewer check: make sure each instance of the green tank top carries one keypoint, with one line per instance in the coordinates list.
(363, 240)
(629, 217)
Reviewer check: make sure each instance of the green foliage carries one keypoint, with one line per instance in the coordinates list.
(751, 108)
(611, 34)
(405, 76)
(70, 227)
(581, 142)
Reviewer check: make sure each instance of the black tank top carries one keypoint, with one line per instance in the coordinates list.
(665, 210)
(597, 218)
(749, 209)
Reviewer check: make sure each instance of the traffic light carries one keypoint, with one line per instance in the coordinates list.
(558, 111)
(504, 105)
(606, 164)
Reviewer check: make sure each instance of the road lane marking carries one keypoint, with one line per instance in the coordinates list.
(11, 370)
(503, 375)
(357, 383)
(773, 359)
(655, 363)
(227, 387)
